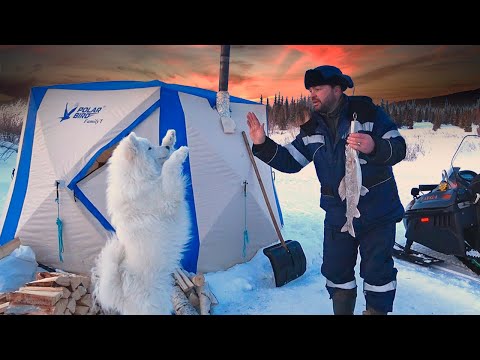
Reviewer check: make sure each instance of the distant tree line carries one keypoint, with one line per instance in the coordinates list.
(406, 114)
(287, 113)
(11, 120)
(284, 113)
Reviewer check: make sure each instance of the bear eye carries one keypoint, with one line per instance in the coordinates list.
(149, 148)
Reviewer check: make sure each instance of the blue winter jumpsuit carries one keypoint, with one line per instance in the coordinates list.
(380, 208)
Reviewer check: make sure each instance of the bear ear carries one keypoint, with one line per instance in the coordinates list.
(131, 146)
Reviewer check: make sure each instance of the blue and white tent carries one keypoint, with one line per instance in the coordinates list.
(68, 135)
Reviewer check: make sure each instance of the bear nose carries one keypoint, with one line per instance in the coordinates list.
(168, 147)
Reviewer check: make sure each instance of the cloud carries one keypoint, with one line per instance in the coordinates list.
(387, 71)
(289, 58)
(17, 88)
(36, 68)
(441, 57)
(138, 70)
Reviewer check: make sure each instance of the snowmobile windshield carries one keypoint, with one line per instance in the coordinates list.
(465, 160)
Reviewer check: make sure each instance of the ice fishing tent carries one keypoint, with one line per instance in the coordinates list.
(70, 131)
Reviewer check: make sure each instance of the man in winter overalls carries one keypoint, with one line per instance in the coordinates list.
(322, 139)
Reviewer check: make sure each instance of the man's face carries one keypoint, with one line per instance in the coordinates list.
(323, 97)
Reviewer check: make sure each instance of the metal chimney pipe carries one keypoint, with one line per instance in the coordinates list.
(224, 64)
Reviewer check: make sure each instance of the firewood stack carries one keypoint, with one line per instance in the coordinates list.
(192, 295)
(51, 293)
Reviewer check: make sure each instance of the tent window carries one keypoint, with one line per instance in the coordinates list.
(101, 160)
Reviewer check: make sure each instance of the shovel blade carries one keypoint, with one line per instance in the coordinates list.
(286, 265)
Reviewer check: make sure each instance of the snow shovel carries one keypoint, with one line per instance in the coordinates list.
(287, 258)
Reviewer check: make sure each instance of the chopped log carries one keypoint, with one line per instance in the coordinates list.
(205, 302)
(193, 298)
(3, 307)
(85, 280)
(67, 312)
(71, 305)
(45, 274)
(205, 295)
(61, 306)
(179, 281)
(186, 278)
(34, 297)
(63, 290)
(86, 300)
(3, 297)
(75, 281)
(81, 310)
(8, 248)
(181, 305)
(79, 292)
(183, 280)
(60, 280)
(94, 309)
(198, 279)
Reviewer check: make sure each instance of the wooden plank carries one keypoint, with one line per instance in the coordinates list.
(60, 280)
(3, 307)
(185, 278)
(27, 309)
(8, 248)
(34, 297)
(63, 290)
(180, 282)
(45, 274)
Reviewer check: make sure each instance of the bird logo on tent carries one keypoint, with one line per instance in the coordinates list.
(66, 113)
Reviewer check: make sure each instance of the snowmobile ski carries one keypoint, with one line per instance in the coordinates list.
(416, 257)
(471, 259)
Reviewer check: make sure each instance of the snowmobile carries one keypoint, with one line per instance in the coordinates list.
(445, 217)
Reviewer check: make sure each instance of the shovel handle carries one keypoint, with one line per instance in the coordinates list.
(252, 160)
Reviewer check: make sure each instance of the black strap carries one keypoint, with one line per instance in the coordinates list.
(326, 190)
(363, 106)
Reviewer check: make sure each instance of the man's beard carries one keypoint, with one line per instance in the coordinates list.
(324, 106)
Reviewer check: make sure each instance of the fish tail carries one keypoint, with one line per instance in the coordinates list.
(348, 227)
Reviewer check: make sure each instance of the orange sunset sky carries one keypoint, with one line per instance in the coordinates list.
(389, 72)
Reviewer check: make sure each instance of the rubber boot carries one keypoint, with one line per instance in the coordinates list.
(372, 311)
(344, 301)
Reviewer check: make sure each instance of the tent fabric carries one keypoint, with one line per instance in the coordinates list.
(67, 133)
